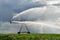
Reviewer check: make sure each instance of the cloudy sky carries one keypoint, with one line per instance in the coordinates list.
(9, 8)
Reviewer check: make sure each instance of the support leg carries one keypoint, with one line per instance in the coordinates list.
(27, 29)
(20, 30)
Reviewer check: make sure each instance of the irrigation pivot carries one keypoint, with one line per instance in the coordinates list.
(23, 24)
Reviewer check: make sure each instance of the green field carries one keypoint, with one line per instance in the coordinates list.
(29, 36)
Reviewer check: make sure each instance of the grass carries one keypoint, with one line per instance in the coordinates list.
(29, 36)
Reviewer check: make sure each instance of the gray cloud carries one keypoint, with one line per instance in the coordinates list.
(57, 4)
(9, 7)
